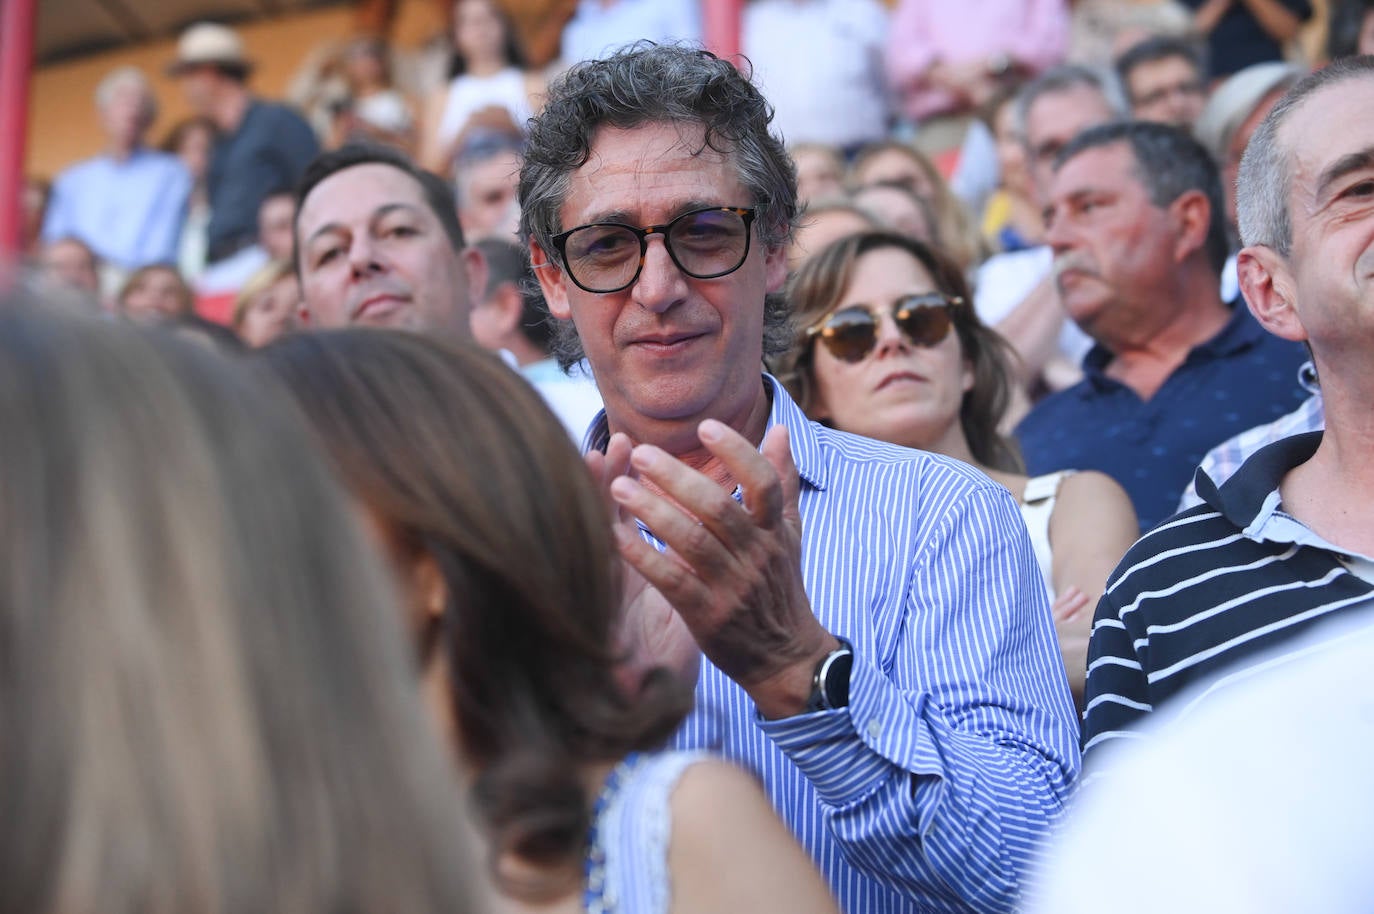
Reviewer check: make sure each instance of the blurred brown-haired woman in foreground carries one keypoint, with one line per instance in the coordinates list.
(202, 708)
(873, 353)
(493, 522)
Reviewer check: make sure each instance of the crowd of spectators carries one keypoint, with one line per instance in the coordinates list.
(955, 406)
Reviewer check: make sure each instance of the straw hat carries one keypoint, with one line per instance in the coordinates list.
(209, 43)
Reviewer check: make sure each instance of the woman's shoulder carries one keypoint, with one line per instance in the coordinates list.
(1094, 503)
(1091, 488)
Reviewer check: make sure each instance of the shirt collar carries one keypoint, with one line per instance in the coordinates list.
(1251, 496)
(1240, 332)
(803, 435)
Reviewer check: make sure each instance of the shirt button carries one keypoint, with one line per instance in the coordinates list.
(875, 728)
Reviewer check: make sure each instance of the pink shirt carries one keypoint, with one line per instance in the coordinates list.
(1033, 33)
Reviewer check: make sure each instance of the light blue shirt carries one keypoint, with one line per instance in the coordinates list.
(130, 213)
(933, 789)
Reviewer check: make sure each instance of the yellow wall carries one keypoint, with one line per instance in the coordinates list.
(62, 123)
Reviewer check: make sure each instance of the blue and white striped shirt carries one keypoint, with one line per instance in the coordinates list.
(931, 791)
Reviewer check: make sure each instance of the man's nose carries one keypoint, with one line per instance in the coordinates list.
(363, 255)
(660, 284)
(1058, 233)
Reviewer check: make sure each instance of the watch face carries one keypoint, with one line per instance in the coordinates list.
(836, 685)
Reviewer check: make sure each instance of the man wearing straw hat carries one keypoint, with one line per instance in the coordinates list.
(262, 145)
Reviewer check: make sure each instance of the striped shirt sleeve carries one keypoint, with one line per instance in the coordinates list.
(946, 768)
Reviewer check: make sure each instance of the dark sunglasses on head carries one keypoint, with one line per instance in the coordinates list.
(851, 333)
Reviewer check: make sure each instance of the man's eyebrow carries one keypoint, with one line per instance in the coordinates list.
(379, 213)
(1345, 165)
(621, 216)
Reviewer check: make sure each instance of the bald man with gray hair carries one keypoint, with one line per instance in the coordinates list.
(128, 203)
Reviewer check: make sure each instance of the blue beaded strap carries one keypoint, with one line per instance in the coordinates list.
(594, 897)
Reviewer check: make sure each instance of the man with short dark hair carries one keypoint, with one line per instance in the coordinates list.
(1135, 223)
(879, 643)
(262, 145)
(1165, 79)
(1288, 540)
(378, 243)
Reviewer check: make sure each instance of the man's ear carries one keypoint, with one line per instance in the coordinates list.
(1270, 291)
(510, 307)
(775, 268)
(1193, 215)
(552, 282)
(475, 265)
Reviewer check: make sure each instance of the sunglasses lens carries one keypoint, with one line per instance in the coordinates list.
(925, 324)
(850, 334)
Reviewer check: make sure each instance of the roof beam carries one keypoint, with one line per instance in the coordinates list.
(128, 21)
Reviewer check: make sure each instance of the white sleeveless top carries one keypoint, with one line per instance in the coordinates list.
(631, 830)
(468, 94)
(1037, 504)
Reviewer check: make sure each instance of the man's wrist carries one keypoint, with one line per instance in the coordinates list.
(789, 692)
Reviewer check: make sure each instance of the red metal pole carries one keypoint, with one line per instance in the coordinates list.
(16, 61)
(720, 20)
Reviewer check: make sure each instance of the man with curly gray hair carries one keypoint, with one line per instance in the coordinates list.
(880, 648)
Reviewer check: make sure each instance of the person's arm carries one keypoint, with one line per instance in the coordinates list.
(1032, 328)
(536, 92)
(301, 145)
(1278, 21)
(431, 146)
(730, 851)
(946, 772)
(939, 777)
(164, 235)
(1206, 17)
(1092, 526)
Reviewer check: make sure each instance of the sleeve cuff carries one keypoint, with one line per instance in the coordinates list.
(850, 752)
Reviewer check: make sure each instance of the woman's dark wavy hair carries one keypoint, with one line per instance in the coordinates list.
(644, 84)
(511, 48)
(462, 458)
(816, 288)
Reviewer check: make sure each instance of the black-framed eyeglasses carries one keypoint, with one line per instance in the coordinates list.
(851, 332)
(704, 243)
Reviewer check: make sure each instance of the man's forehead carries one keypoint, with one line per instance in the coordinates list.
(653, 164)
(358, 192)
(1108, 165)
(1316, 133)
(1067, 112)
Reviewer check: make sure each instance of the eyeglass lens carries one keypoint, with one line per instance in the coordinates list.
(851, 333)
(704, 245)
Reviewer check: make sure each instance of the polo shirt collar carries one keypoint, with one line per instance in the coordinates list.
(1240, 332)
(1251, 497)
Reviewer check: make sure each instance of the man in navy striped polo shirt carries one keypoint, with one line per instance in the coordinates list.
(1287, 541)
(880, 649)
